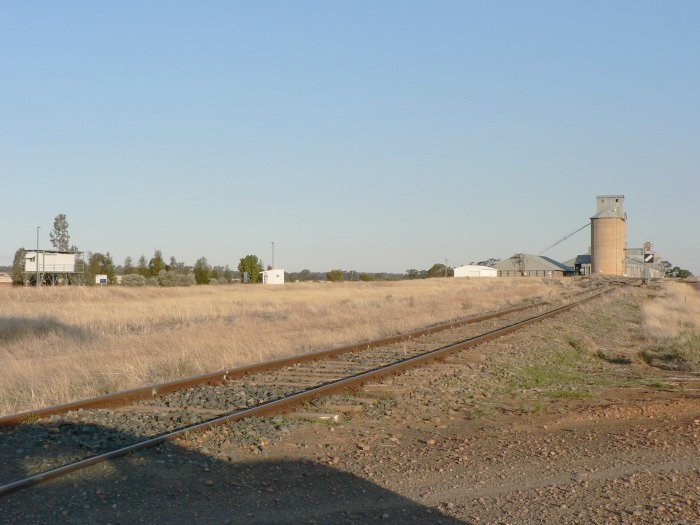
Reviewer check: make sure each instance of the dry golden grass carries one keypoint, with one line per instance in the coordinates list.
(672, 323)
(61, 344)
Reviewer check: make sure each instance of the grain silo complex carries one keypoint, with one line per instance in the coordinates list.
(609, 236)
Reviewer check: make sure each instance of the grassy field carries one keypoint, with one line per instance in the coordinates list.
(59, 344)
(672, 326)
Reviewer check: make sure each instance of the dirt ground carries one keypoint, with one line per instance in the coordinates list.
(558, 423)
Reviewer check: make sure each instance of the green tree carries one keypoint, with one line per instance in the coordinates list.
(100, 264)
(228, 274)
(334, 275)
(202, 271)
(252, 265)
(18, 266)
(128, 267)
(156, 264)
(438, 270)
(367, 277)
(59, 236)
(80, 268)
(679, 272)
(142, 268)
(488, 262)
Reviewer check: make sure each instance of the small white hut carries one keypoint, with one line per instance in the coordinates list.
(274, 276)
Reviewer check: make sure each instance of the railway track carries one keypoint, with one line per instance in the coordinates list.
(76, 435)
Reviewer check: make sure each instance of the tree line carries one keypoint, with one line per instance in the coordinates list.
(156, 271)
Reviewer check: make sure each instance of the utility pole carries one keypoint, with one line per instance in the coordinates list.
(37, 255)
(273, 255)
(446, 267)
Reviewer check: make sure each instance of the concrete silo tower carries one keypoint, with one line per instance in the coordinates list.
(609, 236)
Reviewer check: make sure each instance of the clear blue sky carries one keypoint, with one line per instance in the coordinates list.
(375, 136)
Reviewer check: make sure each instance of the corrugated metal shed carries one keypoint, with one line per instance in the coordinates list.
(581, 264)
(524, 264)
(475, 270)
(635, 267)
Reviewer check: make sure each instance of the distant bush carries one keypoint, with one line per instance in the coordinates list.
(185, 280)
(367, 277)
(213, 281)
(170, 278)
(334, 275)
(133, 279)
(167, 278)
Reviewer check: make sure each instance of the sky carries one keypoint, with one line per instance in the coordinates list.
(374, 136)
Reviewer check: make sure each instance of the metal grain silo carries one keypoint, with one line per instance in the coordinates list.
(609, 236)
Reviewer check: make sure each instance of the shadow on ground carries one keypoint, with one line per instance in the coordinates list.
(16, 328)
(174, 485)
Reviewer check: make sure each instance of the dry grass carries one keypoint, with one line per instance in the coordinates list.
(672, 324)
(60, 344)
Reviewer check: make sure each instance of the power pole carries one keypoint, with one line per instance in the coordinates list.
(446, 266)
(37, 255)
(273, 255)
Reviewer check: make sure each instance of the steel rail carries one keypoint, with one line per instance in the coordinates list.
(282, 405)
(126, 397)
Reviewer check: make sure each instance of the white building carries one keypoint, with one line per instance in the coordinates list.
(473, 270)
(274, 276)
(49, 262)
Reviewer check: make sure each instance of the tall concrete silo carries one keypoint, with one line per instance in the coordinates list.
(609, 236)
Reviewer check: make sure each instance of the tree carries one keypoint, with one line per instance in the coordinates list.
(128, 266)
(438, 270)
(80, 268)
(202, 271)
(156, 264)
(678, 272)
(252, 265)
(228, 274)
(100, 264)
(367, 277)
(59, 236)
(18, 267)
(489, 262)
(334, 275)
(142, 269)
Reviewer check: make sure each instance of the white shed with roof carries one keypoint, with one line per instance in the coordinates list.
(475, 270)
